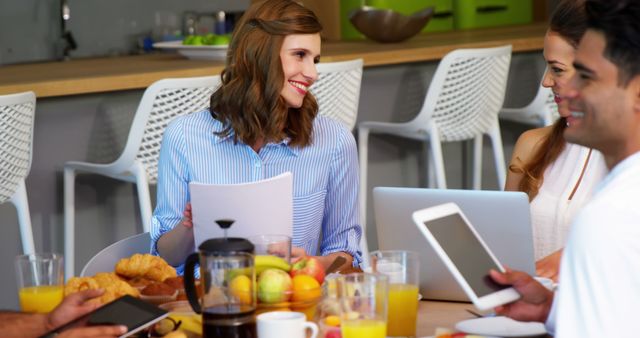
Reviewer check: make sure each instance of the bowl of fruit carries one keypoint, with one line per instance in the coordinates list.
(281, 286)
(199, 47)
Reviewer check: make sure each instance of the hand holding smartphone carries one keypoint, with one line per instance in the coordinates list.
(128, 311)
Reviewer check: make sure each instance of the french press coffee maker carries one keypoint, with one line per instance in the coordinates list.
(226, 299)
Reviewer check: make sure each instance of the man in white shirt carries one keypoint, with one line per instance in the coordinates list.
(599, 290)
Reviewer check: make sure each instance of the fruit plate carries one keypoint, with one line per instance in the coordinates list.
(201, 52)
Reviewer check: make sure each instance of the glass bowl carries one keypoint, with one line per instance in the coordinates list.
(305, 302)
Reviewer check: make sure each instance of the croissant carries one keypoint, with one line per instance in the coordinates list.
(113, 286)
(76, 284)
(148, 266)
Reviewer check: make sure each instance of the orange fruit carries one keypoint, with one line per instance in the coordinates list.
(241, 288)
(332, 321)
(305, 288)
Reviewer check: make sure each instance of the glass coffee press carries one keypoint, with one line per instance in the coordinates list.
(225, 295)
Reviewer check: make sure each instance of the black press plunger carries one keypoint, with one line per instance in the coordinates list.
(225, 224)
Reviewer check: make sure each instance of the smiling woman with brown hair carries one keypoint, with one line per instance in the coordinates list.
(559, 177)
(263, 122)
(250, 100)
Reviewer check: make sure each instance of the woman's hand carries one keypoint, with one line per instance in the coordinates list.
(187, 220)
(297, 253)
(549, 266)
(175, 245)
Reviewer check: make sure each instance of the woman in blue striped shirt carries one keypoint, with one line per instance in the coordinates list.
(262, 123)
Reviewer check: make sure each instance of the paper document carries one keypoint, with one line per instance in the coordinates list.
(257, 208)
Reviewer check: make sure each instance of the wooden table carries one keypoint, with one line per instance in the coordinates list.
(95, 75)
(432, 315)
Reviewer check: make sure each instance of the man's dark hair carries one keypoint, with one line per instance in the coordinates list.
(619, 22)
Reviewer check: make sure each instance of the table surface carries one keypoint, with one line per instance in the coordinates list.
(96, 75)
(433, 314)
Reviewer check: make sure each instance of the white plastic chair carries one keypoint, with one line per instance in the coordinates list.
(106, 259)
(337, 90)
(17, 113)
(138, 163)
(542, 111)
(462, 103)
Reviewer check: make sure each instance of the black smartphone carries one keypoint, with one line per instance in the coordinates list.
(129, 311)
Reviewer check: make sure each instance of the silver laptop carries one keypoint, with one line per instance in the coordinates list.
(501, 218)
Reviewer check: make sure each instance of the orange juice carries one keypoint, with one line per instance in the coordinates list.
(41, 299)
(403, 310)
(364, 328)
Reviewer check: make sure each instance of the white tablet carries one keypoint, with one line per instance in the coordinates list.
(464, 253)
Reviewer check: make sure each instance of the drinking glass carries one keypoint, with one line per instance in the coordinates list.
(275, 245)
(364, 305)
(328, 311)
(40, 281)
(402, 269)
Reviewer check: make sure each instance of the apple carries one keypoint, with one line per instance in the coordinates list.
(308, 266)
(334, 333)
(274, 286)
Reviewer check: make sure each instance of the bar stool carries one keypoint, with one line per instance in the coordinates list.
(462, 103)
(337, 90)
(138, 163)
(17, 113)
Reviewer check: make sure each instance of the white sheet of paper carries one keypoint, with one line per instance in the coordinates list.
(258, 208)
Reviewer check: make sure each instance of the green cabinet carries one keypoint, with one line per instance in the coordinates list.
(449, 14)
(441, 21)
(490, 13)
(347, 31)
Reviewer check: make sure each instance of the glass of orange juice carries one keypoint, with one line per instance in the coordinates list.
(40, 281)
(402, 268)
(363, 302)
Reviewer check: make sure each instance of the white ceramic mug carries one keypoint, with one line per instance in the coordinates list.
(285, 324)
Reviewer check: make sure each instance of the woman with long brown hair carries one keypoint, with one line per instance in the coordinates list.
(263, 122)
(559, 177)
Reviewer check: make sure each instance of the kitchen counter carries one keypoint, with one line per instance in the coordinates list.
(96, 75)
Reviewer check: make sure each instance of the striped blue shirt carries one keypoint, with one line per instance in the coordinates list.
(325, 178)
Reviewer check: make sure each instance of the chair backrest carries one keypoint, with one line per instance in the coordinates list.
(337, 90)
(466, 93)
(161, 102)
(544, 103)
(17, 113)
(541, 111)
(106, 259)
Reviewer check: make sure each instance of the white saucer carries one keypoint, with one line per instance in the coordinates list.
(501, 326)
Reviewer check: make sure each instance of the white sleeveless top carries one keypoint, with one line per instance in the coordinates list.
(553, 209)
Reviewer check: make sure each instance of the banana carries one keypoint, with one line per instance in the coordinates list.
(191, 323)
(263, 262)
